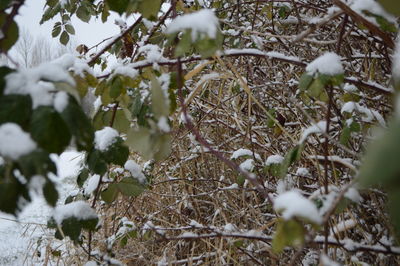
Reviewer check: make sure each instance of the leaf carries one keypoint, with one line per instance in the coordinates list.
(11, 36)
(394, 201)
(117, 153)
(4, 4)
(16, 109)
(70, 29)
(139, 141)
(288, 233)
(292, 156)
(130, 187)
(49, 130)
(56, 30)
(116, 87)
(121, 122)
(381, 164)
(391, 6)
(305, 81)
(79, 125)
(73, 226)
(149, 8)
(64, 38)
(4, 71)
(11, 194)
(82, 177)
(96, 162)
(37, 162)
(159, 104)
(83, 14)
(162, 147)
(110, 194)
(118, 5)
(50, 193)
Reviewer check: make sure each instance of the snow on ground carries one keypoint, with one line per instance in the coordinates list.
(17, 238)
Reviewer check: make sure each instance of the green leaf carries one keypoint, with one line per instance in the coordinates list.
(288, 233)
(64, 38)
(130, 187)
(118, 5)
(73, 226)
(117, 153)
(4, 4)
(96, 163)
(391, 6)
(381, 164)
(110, 194)
(56, 30)
(121, 122)
(394, 201)
(149, 8)
(16, 109)
(49, 130)
(10, 37)
(79, 125)
(159, 103)
(305, 81)
(83, 14)
(70, 29)
(162, 147)
(4, 71)
(184, 44)
(11, 193)
(139, 141)
(82, 177)
(50, 193)
(37, 162)
(116, 87)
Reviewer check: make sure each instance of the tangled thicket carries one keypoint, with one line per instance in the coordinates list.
(229, 221)
(248, 128)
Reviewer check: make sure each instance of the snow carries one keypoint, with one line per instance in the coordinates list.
(202, 22)
(244, 152)
(14, 142)
(293, 204)
(135, 170)
(92, 184)
(318, 128)
(247, 165)
(396, 63)
(35, 81)
(81, 210)
(104, 138)
(368, 114)
(163, 124)
(371, 6)
(152, 52)
(274, 159)
(302, 172)
(125, 71)
(60, 101)
(328, 64)
(188, 235)
(19, 237)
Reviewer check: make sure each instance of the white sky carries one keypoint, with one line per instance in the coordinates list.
(87, 33)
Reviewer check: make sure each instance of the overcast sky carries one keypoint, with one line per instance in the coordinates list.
(87, 33)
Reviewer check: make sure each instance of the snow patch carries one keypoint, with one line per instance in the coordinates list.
(203, 22)
(104, 138)
(244, 152)
(328, 64)
(78, 209)
(14, 142)
(135, 170)
(274, 159)
(293, 204)
(318, 128)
